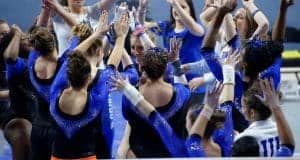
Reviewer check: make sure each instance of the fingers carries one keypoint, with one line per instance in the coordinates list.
(192, 85)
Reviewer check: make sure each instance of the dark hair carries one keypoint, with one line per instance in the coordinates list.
(218, 116)
(192, 12)
(252, 102)
(250, 23)
(259, 55)
(23, 52)
(246, 146)
(82, 37)
(3, 21)
(78, 70)
(154, 63)
(64, 2)
(5, 42)
(42, 40)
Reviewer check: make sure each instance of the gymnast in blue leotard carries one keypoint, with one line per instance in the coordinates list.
(85, 131)
(258, 59)
(200, 130)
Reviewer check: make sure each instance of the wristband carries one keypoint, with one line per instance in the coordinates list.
(180, 79)
(228, 74)
(133, 95)
(207, 112)
(208, 77)
(177, 68)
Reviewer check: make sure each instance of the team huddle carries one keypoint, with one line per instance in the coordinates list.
(212, 90)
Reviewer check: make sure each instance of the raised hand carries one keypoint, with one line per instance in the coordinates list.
(103, 23)
(118, 83)
(83, 31)
(143, 4)
(270, 95)
(119, 10)
(175, 46)
(212, 95)
(196, 82)
(229, 5)
(232, 59)
(218, 3)
(287, 3)
(16, 29)
(121, 27)
(247, 2)
(51, 4)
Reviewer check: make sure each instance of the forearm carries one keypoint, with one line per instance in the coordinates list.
(211, 37)
(260, 19)
(207, 15)
(284, 131)
(12, 50)
(141, 12)
(4, 95)
(187, 20)
(227, 93)
(146, 41)
(86, 44)
(126, 59)
(145, 107)
(199, 67)
(117, 53)
(44, 17)
(279, 26)
(66, 16)
(201, 122)
(229, 27)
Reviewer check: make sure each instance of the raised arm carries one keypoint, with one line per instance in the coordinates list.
(279, 26)
(212, 97)
(44, 16)
(142, 10)
(271, 99)
(121, 28)
(259, 18)
(209, 10)
(228, 69)
(98, 34)
(106, 4)
(12, 50)
(211, 37)
(187, 20)
(225, 135)
(55, 6)
(229, 27)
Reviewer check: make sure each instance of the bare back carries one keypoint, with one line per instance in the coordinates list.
(72, 103)
(45, 69)
(158, 94)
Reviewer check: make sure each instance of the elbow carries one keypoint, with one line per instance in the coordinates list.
(204, 20)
